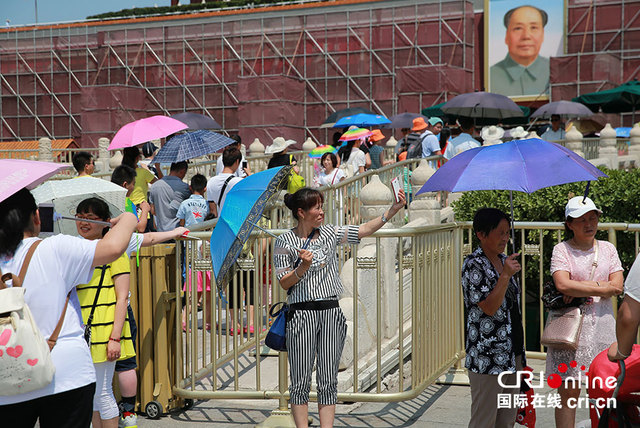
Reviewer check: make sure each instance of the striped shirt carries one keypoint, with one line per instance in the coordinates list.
(322, 280)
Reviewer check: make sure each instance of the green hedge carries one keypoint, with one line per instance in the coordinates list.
(145, 11)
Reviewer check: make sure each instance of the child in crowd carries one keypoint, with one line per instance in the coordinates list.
(104, 308)
(124, 176)
(84, 163)
(193, 211)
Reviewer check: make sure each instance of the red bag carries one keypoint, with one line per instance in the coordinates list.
(527, 415)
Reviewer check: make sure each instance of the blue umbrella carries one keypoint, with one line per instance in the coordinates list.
(521, 165)
(362, 119)
(623, 131)
(242, 208)
(191, 145)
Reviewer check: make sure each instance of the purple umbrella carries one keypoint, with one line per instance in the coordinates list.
(403, 120)
(482, 105)
(562, 108)
(196, 121)
(521, 165)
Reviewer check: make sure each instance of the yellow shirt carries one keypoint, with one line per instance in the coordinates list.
(104, 314)
(141, 187)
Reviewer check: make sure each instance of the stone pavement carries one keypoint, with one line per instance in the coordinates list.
(437, 406)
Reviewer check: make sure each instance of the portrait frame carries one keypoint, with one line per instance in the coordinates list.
(496, 50)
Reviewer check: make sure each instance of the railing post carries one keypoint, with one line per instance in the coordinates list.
(102, 163)
(424, 205)
(634, 142)
(257, 149)
(607, 148)
(574, 141)
(306, 163)
(45, 153)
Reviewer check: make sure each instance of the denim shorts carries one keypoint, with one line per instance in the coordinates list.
(129, 363)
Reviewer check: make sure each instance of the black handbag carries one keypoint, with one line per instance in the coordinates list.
(553, 299)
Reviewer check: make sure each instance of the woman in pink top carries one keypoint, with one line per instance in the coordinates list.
(571, 265)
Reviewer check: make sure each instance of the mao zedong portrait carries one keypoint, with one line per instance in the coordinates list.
(523, 71)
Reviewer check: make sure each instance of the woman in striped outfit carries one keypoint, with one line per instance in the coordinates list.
(307, 267)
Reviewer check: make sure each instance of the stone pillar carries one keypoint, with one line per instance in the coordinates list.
(375, 198)
(309, 145)
(116, 159)
(424, 206)
(392, 142)
(45, 153)
(256, 149)
(607, 148)
(574, 141)
(102, 162)
(634, 141)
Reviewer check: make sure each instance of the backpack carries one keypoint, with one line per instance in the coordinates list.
(25, 356)
(414, 145)
(296, 181)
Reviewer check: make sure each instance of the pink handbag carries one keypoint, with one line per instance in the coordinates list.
(563, 326)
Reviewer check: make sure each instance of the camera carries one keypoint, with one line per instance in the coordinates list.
(46, 218)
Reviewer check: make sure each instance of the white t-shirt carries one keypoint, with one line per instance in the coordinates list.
(59, 264)
(332, 178)
(357, 158)
(239, 172)
(214, 187)
(632, 283)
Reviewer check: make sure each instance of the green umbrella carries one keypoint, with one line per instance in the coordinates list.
(621, 99)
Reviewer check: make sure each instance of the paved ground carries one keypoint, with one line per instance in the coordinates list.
(437, 406)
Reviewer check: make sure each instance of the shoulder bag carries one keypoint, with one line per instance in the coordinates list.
(89, 323)
(563, 326)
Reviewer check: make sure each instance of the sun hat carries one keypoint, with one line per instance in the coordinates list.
(518, 132)
(376, 136)
(419, 124)
(433, 121)
(278, 145)
(491, 133)
(579, 206)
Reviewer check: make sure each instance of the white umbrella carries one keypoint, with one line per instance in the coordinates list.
(67, 194)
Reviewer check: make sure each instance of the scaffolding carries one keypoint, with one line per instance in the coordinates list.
(277, 71)
(602, 49)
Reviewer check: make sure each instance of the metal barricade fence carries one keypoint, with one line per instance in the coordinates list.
(408, 306)
(409, 310)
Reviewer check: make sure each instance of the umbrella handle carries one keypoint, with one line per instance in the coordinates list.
(57, 216)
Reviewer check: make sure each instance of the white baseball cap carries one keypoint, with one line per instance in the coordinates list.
(579, 206)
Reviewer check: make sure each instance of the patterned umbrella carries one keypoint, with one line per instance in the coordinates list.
(355, 134)
(242, 209)
(321, 150)
(191, 145)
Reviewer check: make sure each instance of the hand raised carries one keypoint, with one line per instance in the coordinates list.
(511, 265)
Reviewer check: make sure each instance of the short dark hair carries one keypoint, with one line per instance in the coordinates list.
(304, 199)
(123, 173)
(16, 217)
(487, 219)
(130, 156)
(179, 166)
(236, 138)
(555, 116)
(332, 156)
(465, 122)
(96, 206)
(198, 183)
(507, 16)
(231, 155)
(80, 160)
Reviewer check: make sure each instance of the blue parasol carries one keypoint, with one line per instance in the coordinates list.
(191, 145)
(361, 120)
(242, 209)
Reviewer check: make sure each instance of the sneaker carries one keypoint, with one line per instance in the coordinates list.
(128, 420)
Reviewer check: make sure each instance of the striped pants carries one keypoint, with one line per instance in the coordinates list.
(311, 333)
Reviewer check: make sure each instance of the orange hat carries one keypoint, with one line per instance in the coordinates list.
(376, 136)
(419, 124)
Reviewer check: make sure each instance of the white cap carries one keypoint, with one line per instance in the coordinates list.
(579, 206)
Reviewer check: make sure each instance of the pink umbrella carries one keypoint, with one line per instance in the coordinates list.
(143, 130)
(16, 174)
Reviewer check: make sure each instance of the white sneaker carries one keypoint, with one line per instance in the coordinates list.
(128, 420)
